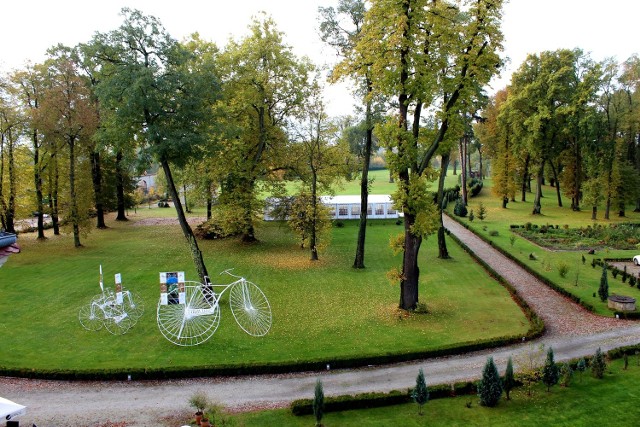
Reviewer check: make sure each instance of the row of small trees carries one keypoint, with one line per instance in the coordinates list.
(491, 386)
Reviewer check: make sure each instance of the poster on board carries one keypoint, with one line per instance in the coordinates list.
(118, 288)
(172, 288)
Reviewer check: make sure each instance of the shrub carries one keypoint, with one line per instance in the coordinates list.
(512, 240)
(563, 269)
(490, 386)
(199, 401)
(509, 381)
(494, 233)
(318, 402)
(566, 373)
(482, 212)
(632, 281)
(581, 366)
(533, 256)
(460, 209)
(603, 289)
(420, 394)
(550, 374)
(471, 215)
(598, 364)
(624, 274)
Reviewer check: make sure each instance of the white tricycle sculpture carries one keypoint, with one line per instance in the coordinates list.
(189, 312)
(117, 311)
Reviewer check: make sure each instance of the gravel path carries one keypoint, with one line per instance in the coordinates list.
(571, 331)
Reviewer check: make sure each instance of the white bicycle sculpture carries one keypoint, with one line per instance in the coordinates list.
(188, 312)
(117, 311)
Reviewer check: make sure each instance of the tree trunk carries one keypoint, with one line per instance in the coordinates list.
(525, 176)
(455, 167)
(462, 144)
(37, 178)
(75, 217)
(537, 205)
(594, 212)
(555, 178)
(96, 178)
(443, 253)
(364, 191)
(410, 269)
(184, 225)
(313, 238)
(53, 177)
(121, 207)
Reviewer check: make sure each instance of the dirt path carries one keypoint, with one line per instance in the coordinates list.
(572, 332)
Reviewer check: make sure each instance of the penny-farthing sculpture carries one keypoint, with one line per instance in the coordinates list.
(189, 312)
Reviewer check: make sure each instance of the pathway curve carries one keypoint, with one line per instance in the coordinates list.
(571, 331)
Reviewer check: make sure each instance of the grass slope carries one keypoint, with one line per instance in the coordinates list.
(321, 310)
(581, 280)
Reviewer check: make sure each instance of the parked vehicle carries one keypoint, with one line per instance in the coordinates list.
(636, 260)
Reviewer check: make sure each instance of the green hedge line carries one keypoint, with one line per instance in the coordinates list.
(395, 397)
(377, 400)
(533, 272)
(536, 329)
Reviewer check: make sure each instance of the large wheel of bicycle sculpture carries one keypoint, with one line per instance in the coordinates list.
(188, 312)
(117, 311)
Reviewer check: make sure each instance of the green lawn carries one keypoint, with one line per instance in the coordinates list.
(379, 184)
(587, 402)
(321, 310)
(581, 280)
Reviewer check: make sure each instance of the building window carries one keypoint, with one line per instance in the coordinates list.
(391, 210)
(379, 210)
(369, 209)
(355, 210)
(343, 210)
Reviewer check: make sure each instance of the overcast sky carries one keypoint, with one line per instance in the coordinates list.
(603, 28)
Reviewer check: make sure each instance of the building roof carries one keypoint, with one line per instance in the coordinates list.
(352, 199)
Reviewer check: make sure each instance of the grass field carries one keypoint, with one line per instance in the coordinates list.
(321, 310)
(581, 280)
(586, 402)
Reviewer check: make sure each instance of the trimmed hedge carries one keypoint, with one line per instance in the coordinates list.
(395, 397)
(303, 407)
(531, 271)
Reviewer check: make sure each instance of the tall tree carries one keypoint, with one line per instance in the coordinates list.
(158, 94)
(319, 163)
(72, 118)
(28, 87)
(10, 124)
(264, 87)
(408, 45)
(341, 28)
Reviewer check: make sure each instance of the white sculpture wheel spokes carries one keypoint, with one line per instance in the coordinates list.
(250, 308)
(116, 319)
(193, 322)
(91, 317)
(133, 305)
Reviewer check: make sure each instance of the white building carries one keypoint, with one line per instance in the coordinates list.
(379, 206)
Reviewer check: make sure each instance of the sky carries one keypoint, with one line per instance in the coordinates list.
(602, 28)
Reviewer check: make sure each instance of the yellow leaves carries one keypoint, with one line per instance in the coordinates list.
(394, 275)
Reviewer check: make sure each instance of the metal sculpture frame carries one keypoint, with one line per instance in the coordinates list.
(194, 315)
(116, 311)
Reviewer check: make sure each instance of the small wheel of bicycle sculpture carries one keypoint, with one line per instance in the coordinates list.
(116, 311)
(188, 312)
